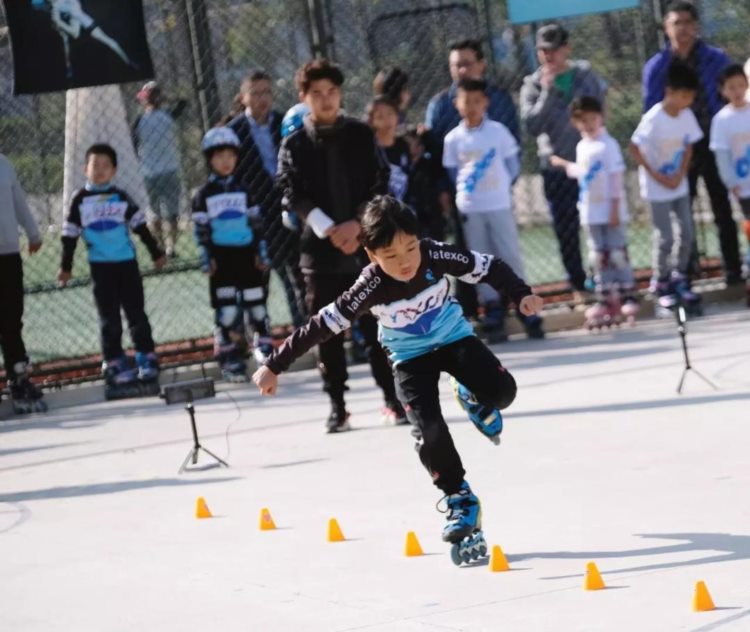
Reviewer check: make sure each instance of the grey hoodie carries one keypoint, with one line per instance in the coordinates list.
(545, 113)
(14, 211)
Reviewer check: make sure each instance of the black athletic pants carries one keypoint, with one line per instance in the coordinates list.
(323, 289)
(474, 366)
(11, 312)
(118, 285)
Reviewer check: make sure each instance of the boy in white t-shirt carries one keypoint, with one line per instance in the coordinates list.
(730, 140)
(599, 169)
(662, 147)
(482, 157)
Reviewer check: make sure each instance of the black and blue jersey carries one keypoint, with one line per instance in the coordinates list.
(223, 215)
(104, 217)
(414, 317)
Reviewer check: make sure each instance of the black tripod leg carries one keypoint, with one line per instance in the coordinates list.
(192, 455)
(211, 454)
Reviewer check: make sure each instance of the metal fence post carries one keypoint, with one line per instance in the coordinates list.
(206, 88)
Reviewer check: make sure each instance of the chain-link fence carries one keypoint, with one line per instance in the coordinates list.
(201, 51)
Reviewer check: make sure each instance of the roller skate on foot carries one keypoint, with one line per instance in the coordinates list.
(338, 420)
(148, 366)
(463, 527)
(393, 414)
(120, 379)
(533, 327)
(685, 295)
(262, 349)
(665, 298)
(25, 397)
(630, 308)
(232, 364)
(487, 420)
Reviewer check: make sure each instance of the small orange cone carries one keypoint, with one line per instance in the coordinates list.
(201, 509)
(413, 547)
(266, 522)
(334, 531)
(702, 599)
(593, 579)
(498, 561)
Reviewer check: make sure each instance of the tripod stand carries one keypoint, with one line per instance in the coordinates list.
(192, 456)
(681, 318)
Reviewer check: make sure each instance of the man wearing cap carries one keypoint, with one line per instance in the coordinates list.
(681, 25)
(155, 140)
(545, 97)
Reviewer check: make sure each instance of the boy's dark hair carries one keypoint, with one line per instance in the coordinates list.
(384, 217)
(316, 70)
(390, 82)
(680, 6)
(680, 76)
(380, 100)
(732, 70)
(468, 43)
(254, 75)
(473, 85)
(580, 105)
(102, 149)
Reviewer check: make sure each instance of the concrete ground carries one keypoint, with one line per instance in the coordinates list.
(601, 461)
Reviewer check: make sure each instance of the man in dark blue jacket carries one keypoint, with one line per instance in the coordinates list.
(681, 25)
(259, 131)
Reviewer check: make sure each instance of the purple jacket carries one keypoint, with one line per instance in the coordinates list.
(710, 60)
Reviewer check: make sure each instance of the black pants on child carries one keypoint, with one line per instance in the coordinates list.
(323, 289)
(119, 286)
(11, 312)
(239, 286)
(474, 366)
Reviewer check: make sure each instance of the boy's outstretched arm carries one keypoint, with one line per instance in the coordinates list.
(474, 267)
(330, 321)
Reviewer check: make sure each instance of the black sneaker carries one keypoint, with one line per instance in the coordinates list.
(338, 420)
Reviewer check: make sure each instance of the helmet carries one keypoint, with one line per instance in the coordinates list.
(292, 120)
(219, 138)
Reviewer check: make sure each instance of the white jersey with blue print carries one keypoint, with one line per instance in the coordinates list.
(104, 219)
(222, 214)
(597, 159)
(414, 317)
(479, 154)
(662, 140)
(730, 131)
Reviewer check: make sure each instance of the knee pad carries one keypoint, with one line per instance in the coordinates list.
(618, 258)
(229, 317)
(257, 313)
(507, 394)
(252, 295)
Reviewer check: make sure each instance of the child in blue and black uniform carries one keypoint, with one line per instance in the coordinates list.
(227, 221)
(102, 214)
(424, 332)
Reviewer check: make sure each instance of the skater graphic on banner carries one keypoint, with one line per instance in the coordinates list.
(63, 44)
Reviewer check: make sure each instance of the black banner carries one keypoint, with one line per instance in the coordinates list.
(63, 44)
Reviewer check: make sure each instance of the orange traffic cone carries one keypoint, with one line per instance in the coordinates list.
(334, 531)
(498, 561)
(702, 599)
(266, 523)
(593, 579)
(201, 509)
(413, 547)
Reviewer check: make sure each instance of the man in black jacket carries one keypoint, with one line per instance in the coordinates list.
(328, 171)
(259, 131)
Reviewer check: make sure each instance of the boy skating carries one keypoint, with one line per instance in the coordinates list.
(662, 147)
(102, 214)
(227, 229)
(14, 212)
(425, 333)
(599, 168)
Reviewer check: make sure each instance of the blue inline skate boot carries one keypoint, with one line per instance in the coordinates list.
(488, 420)
(148, 366)
(685, 295)
(464, 526)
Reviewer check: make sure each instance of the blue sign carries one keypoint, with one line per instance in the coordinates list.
(527, 11)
